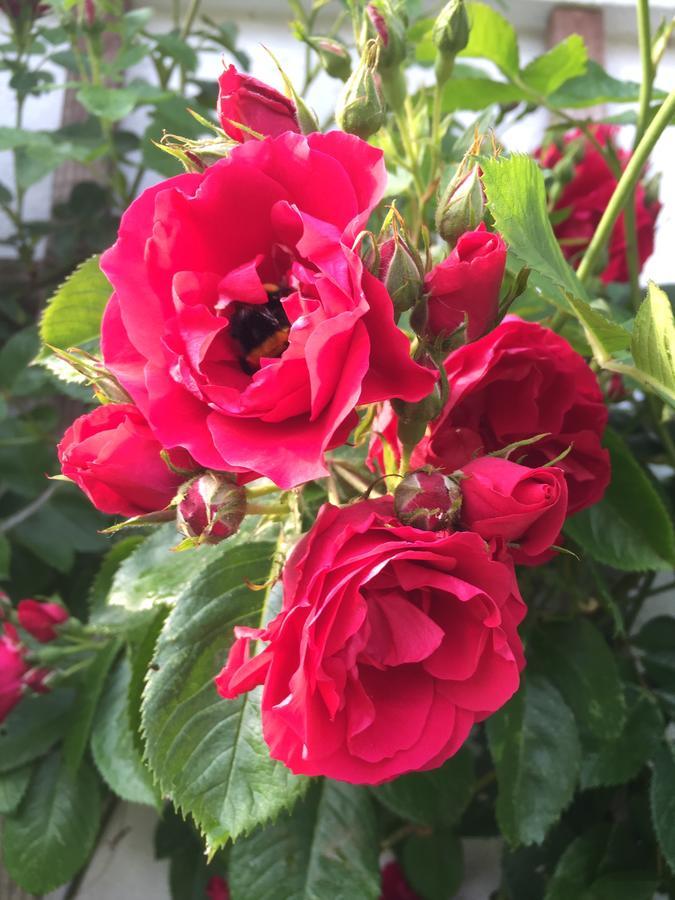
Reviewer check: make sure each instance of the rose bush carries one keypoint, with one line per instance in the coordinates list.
(391, 643)
(250, 345)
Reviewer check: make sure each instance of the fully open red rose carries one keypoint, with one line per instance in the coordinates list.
(13, 669)
(518, 381)
(111, 454)
(515, 505)
(244, 99)
(467, 284)
(243, 324)
(585, 197)
(390, 644)
(40, 619)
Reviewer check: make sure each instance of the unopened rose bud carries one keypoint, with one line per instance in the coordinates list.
(388, 25)
(401, 272)
(334, 56)
(40, 620)
(360, 109)
(450, 35)
(413, 418)
(428, 500)
(462, 205)
(210, 508)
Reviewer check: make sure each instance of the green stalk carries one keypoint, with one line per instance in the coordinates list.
(626, 185)
(644, 37)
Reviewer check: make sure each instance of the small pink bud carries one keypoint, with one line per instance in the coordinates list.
(40, 619)
(428, 500)
(211, 508)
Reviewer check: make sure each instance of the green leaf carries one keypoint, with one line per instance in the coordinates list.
(173, 46)
(112, 742)
(617, 761)
(622, 886)
(535, 748)
(578, 864)
(492, 37)
(656, 640)
(477, 93)
(107, 102)
(326, 850)
(630, 528)
(13, 786)
(15, 355)
(73, 315)
(208, 754)
(5, 557)
(548, 72)
(54, 830)
(595, 88)
(100, 588)
(432, 798)
(89, 690)
(517, 199)
(433, 864)
(604, 336)
(32, 727)
(662, 799)
(577, 660)
(653, 343)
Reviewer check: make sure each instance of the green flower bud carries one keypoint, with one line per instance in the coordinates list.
(334, 56)
(360, 109)
(462, 205)
(401, 272)
(450, 35)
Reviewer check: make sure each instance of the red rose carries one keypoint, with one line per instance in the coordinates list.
(40, 619)
(467, 284)
(243, 324)
(253, 103)
(514, 504)
(518, 381)
(395, 885)
(12, 670)
(585, 198)
(390, 644)
(217, 889)
(111, 454)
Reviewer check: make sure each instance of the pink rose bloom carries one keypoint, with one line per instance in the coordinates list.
(514, 504)
(243, 324)
(390, 644)
(467, 283)
(244, 99)
(40, 619)
(112, 455)
(12, 670)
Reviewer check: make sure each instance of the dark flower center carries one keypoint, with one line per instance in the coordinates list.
(261, 329)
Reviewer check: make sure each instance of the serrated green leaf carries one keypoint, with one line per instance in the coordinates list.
(548, 72)
(662, 800)
(15, 355)
(594, 88)
(622, 886)
(102, 583)
(535, 748)
(326, 850)
(611, 762)
(73, 314)
(492, 37)
(13, 786)
(107, 102)
(630, 528)
(517, 200)
(478, 93)
(576, 658)
(653, 342)
(577, 866)
(434, 864)
(208, 754)
(33, 727)
(54, 830)
(432, 798)
(656, 641)
(604, 336)
(112, 742)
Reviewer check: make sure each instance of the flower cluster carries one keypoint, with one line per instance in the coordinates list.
(248, 327)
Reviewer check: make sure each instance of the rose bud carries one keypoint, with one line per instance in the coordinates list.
(466, 285)
(40, 619)
(462, 205)
(450, 35)
(211, 508)
(12, 670)
(217, 888)
(428, 500)
(401, 272)
(111, 454)
(389, 27)
(333, 53)
(394, 883)
(515, 504)
(360, 109)
(244, 100)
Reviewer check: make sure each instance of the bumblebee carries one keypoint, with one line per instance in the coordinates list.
(260, 330)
